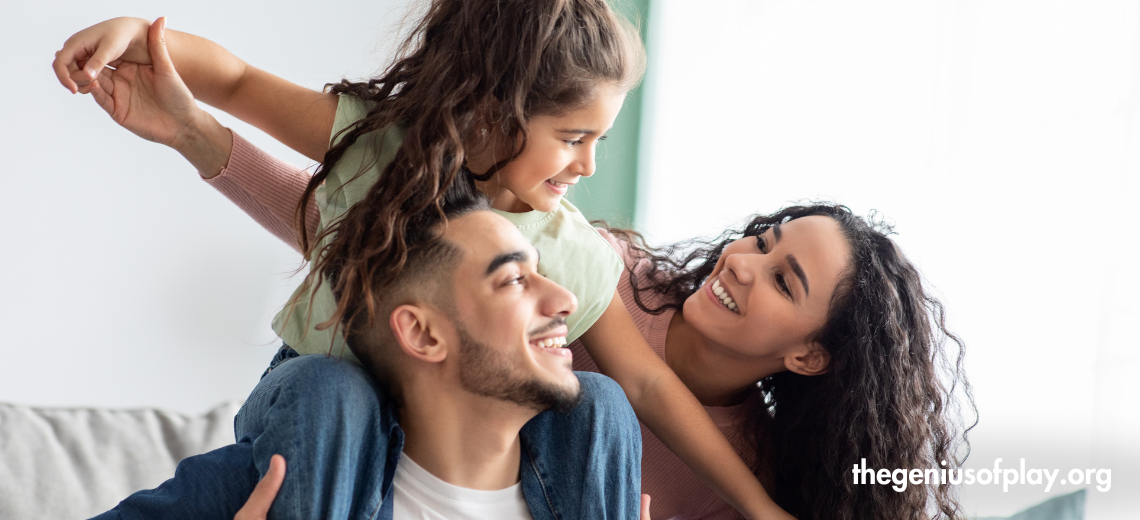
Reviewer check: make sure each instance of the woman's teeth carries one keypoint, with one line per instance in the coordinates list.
(723, 295)
(559, 341)
(557, 184)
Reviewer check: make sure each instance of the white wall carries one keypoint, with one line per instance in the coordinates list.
(129, 281)
(1001, 137)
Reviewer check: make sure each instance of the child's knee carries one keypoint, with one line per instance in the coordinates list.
(312, 386)
(603, 396)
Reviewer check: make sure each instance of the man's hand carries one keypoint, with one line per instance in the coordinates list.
(257, 507)
(85, 54)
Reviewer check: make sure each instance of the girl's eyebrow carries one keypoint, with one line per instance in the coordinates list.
(579, 131)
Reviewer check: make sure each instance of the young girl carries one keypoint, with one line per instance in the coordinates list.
(515, 93)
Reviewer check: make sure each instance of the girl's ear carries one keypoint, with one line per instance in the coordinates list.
(810, 360)
(418, 332)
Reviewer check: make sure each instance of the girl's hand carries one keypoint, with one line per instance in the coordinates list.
(150, 101)
(153, 103)
(87, 52)
(257, 507)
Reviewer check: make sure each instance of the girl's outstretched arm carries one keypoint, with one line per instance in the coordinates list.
(154, 103)
(672, 413)
(299, 117)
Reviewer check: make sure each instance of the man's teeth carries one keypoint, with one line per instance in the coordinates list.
(723, 295)
(559, 341)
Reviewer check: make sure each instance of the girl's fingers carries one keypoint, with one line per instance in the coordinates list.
(65, 64)
(103, 55)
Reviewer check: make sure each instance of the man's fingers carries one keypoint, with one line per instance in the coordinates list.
(644, 507)
(257, 507)
(156, 40)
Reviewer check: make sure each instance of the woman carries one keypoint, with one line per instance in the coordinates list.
(810, 340)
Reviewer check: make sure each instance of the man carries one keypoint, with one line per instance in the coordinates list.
(479, 415)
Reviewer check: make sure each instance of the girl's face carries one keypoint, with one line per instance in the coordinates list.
(770, 292)
(561, 150)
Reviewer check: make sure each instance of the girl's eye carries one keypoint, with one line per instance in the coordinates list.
(573, 143)
(761, 244)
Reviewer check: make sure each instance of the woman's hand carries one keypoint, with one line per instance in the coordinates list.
(257, 507)
(153, 103)
(87, 52)
(644, 507)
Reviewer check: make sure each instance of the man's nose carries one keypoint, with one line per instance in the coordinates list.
(555, 300)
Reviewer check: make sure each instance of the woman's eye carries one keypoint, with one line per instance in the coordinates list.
(783, 285)
(573, 143)
(761, 244)
(516, 281)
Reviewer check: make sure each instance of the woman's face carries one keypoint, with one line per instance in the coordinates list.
(769, 293)
(560, 151)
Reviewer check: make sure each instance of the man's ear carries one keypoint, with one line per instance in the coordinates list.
(417, 330)
(809, 360)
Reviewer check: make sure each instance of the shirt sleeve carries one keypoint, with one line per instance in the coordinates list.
(267, 189)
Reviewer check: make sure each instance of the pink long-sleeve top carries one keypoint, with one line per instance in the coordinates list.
(268, 189)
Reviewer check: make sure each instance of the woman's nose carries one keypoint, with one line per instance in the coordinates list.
(741, 267)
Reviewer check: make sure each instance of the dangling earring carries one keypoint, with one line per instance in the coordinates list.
(483, 132)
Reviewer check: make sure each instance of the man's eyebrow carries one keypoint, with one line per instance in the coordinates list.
(506, 258)
(776, 231)
(799, 272)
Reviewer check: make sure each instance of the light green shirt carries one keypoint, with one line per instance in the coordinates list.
(573, 254)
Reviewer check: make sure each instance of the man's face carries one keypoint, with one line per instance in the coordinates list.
(507, 314)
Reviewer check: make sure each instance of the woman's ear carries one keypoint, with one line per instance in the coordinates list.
(417, 331)
(810, 360)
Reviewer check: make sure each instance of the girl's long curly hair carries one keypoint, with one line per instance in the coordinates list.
(892, 394)
(486, 65)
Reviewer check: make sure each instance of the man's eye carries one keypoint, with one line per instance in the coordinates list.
(516, 281)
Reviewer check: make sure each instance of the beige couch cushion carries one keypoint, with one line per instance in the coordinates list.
(71, 463)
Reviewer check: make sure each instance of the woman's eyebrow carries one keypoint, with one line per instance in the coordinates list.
(776, 231)
(799, 272)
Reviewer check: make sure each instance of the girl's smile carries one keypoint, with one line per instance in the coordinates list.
(560, 150)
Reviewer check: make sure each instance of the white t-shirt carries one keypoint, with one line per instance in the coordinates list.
(419, 495)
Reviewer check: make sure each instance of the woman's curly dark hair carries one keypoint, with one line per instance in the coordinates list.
(486, 65)
(891, 392)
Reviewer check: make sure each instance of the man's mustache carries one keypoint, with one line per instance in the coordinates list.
(551, 325)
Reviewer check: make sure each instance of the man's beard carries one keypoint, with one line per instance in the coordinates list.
(487, 372)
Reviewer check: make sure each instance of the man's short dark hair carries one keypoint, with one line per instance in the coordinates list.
(426, 276)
